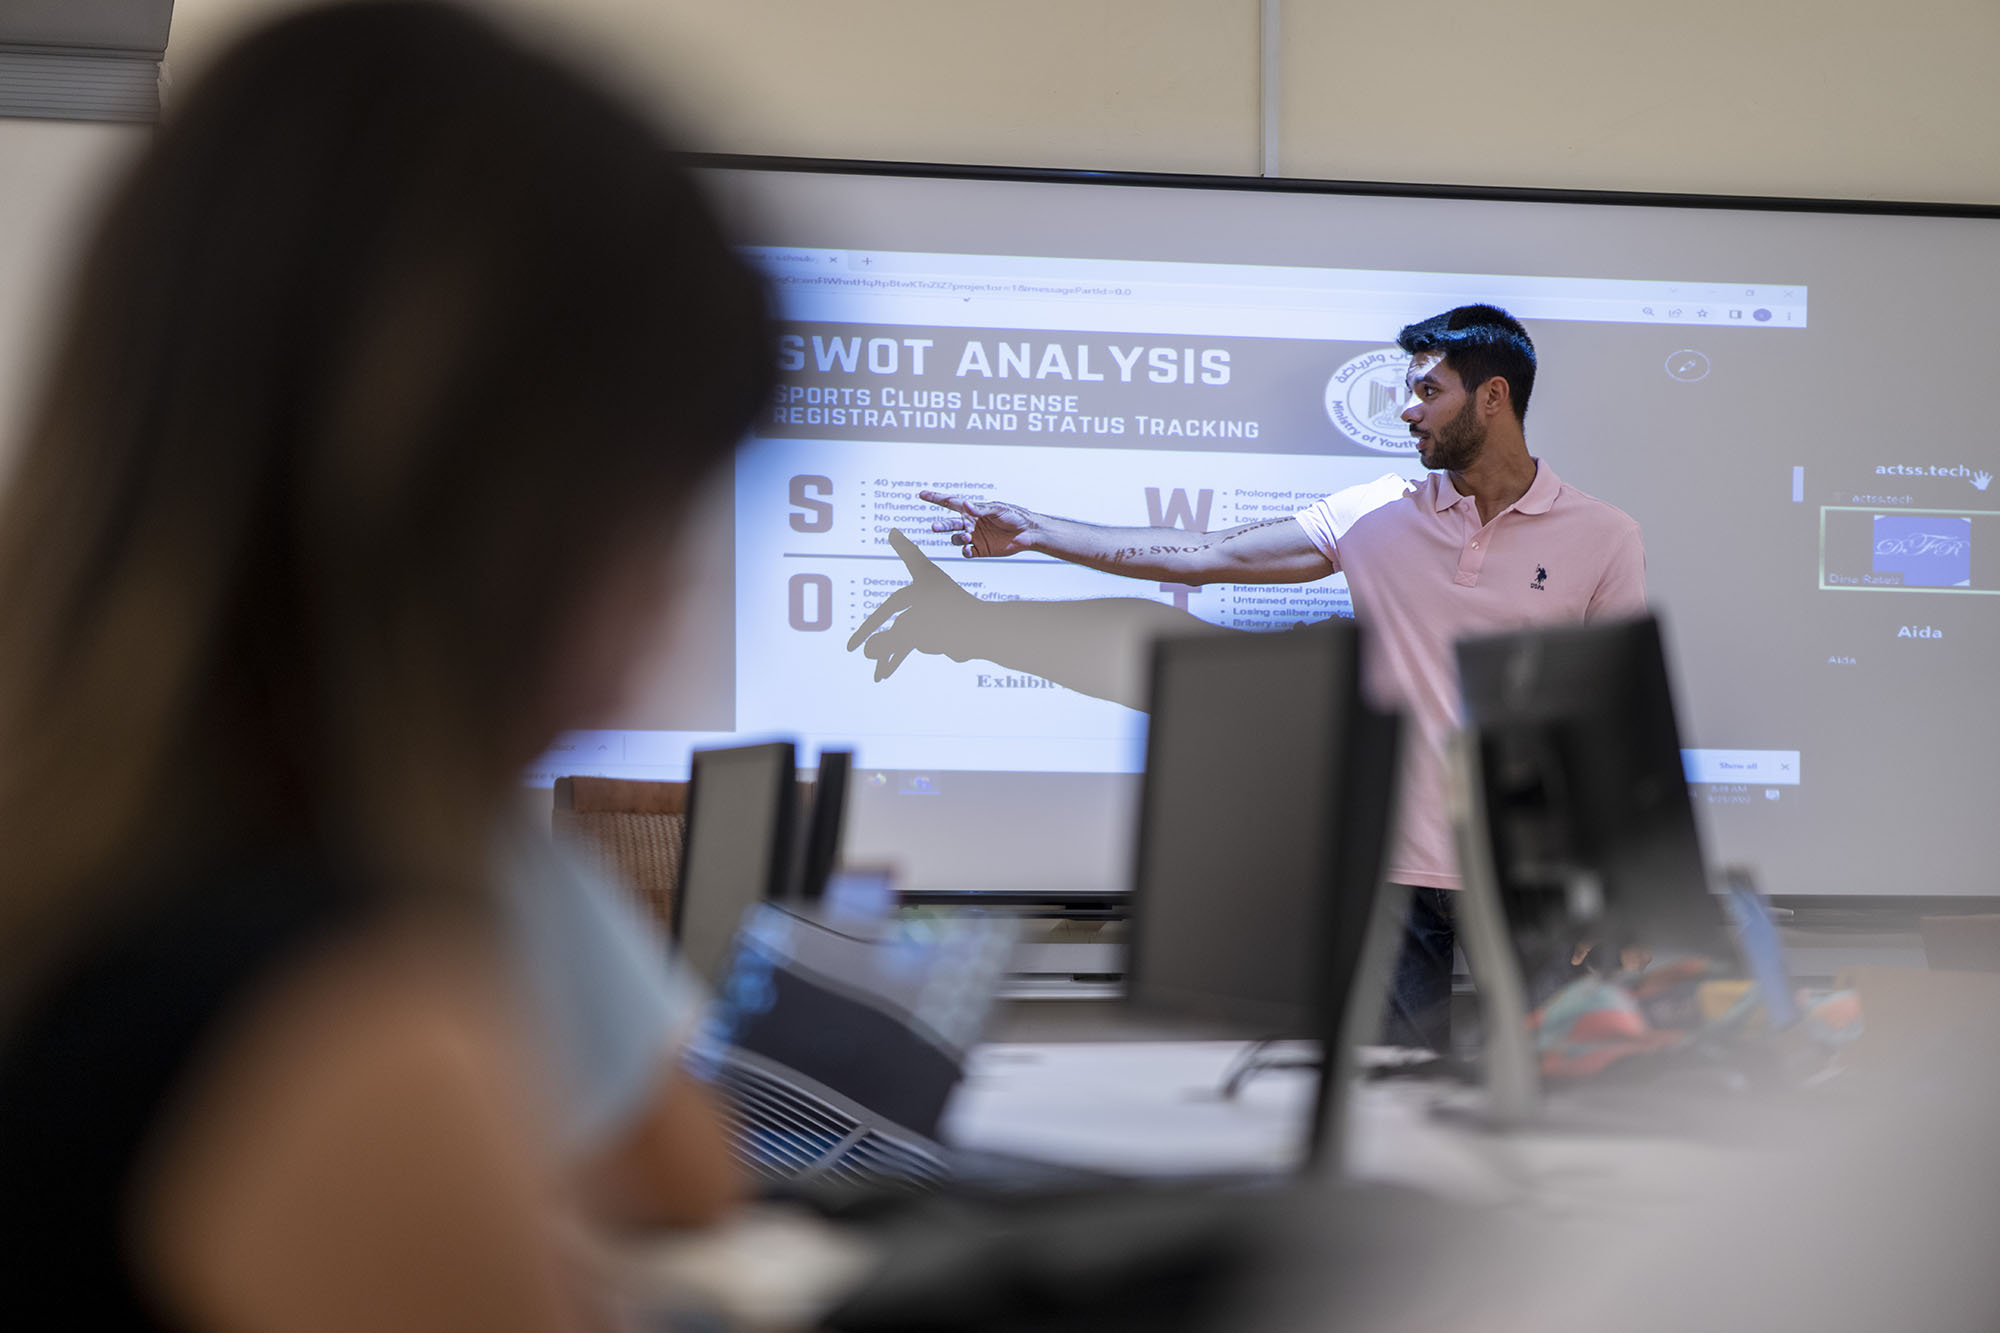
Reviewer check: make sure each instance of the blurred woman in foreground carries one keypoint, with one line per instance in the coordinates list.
(386, 375)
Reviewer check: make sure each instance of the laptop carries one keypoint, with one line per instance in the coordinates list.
(839, 1039)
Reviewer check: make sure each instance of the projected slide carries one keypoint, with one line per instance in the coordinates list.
(1132, 394)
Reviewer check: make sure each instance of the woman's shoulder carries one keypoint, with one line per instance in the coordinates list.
(222, 1109)
(365, 1147)
(95, 1058)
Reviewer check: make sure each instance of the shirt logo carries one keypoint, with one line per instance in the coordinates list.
(1541, 579)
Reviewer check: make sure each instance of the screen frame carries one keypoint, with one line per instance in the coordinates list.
(1314, 1016)
(1876, 911)
(825, 824)
(781, 756)
(1624, 707)
(838, 166)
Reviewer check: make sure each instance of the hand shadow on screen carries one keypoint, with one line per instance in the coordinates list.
(1098, 646)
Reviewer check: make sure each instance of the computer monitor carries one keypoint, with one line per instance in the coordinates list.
(1586, 800)
(820, 849)
(1577, 829)
(1263, 807)
(742, 805)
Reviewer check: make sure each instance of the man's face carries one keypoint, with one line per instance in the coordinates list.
(1440, 415)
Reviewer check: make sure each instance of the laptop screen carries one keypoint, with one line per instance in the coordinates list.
(1762, 950)
(840, 1040)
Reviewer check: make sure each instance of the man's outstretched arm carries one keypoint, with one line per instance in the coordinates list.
(1272, 551)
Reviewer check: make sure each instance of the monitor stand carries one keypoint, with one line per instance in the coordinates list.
(1261, 1057)
(1513, 1091)
(1336, 1060)
(1512, 1097)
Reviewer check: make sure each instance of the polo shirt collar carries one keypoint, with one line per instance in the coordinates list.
(1443, 494)
(1541, 491)
(1540, 495)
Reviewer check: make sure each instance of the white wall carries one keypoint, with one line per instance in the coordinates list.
(1839, 98)
(1134, 84)
(1832, 98)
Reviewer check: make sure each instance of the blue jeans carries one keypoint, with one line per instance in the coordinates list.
(1419, 1012)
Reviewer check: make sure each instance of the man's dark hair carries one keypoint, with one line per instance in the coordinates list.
(1479, 342)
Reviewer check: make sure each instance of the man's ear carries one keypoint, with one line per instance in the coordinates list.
(1495, 396)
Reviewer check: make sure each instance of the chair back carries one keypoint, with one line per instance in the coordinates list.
(631, 829)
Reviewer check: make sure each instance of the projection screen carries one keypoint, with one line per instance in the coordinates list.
(1792, 400)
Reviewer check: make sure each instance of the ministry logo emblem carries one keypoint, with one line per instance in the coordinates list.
(1365, 398)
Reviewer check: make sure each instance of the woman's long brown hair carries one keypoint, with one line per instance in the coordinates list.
(394, 339)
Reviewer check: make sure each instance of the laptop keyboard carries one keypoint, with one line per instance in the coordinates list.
(784, 1133)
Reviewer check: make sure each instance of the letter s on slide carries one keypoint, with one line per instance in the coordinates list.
(791, 352)
(811, 515)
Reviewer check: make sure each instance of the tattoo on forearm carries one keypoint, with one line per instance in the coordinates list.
(1244, 531)
(1127, 554)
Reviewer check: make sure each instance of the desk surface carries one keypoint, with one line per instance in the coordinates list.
(1155, 1107)
(1562, 1230)
(1842, 1222)
(1141, 1107)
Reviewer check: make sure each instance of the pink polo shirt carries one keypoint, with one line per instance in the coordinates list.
(1424, 573)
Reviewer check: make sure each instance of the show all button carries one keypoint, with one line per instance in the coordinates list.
(1765, 768)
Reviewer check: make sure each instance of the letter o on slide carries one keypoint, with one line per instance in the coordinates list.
(810, 602)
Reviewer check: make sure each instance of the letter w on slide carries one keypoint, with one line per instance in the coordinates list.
(1175, 512)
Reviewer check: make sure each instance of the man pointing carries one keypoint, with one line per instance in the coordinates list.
(1492, 540)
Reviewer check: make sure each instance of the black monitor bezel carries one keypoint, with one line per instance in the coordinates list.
(781, 755)
(825, 823)
(1629, 655)
(1337, 847)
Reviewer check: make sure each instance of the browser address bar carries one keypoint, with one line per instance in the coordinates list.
(953, 286)
(1128, 284)
(1325, 300)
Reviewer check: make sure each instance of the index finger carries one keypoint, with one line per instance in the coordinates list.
(912, 554)
(921, 567)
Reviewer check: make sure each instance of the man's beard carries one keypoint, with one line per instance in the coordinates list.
(1456, 445)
